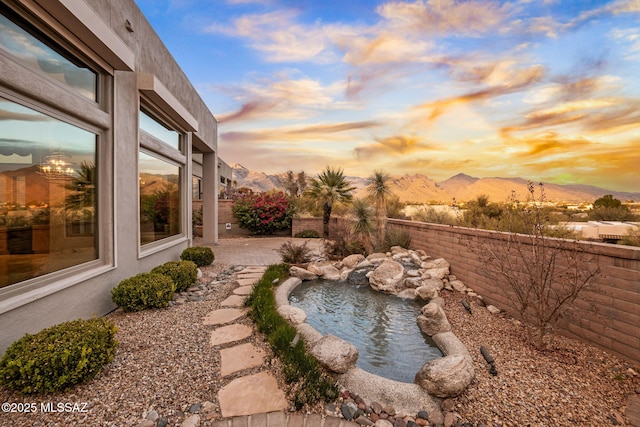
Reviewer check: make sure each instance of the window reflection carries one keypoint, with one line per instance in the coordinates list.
(33, 50)
(159, 199)
(159, 131)
(48, 204)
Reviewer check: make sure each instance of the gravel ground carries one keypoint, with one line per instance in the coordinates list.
(572, 384)
(164, 363)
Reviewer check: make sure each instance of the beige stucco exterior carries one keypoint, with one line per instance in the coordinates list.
(118, 37)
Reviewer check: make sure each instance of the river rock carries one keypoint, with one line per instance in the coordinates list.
(388, 277)
(301, 273)
(432, 320)
(335, 354)
(445, 377)
(493, 309)
(348, 410)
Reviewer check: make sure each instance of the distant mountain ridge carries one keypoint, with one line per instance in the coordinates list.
(419, 188)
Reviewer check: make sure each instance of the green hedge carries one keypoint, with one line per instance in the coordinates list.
(57, 358)
(145, 290)
(201, 255)
(183, 273)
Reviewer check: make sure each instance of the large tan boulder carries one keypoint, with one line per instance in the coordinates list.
(387, 277)
(446, 377)
(352, 260)
(301, 273)
(432, 320)
(335, 354)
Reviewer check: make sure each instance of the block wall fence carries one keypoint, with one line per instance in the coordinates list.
(606, 314)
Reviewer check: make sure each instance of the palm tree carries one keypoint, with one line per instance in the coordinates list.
(329, 187)
(379, 192)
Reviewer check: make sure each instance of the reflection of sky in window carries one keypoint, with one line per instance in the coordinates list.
(152, 127)
(37, 55)
(26, 132)
(155, 166)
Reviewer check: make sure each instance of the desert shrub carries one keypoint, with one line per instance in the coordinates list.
(200, 255)
(312, 382)
(263, 213)
(59, 357)
(145, 290)
(396, 238)
(183, 273)
(294, 254)
(307, 234)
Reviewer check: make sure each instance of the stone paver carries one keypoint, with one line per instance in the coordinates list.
(234, 301)
(229, 333)
(223, 315)
(239, 358)
(243, 290)
(251, 394)
(246, 282)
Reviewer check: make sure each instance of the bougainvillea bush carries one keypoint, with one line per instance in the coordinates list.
(263, 213)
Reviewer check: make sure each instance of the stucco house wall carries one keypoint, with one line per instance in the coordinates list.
(137, 66)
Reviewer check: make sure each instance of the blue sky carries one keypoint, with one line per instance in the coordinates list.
(539, 89)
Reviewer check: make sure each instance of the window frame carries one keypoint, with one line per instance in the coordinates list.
(155, 147)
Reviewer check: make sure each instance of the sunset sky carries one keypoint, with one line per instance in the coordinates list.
(540, 89)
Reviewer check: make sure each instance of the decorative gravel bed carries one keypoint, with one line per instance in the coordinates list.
(165, 364)
(573, 384)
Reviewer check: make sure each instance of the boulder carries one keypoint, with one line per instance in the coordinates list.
(293, 315)
(352, 260)
(432, 320)
(446, 377)
(325, 270)
(429, 288)
(376, 258)
(335, 354)
(457, 285)
(435, 263)
(435, 273)
(301, 273)
(387, 277)
(395, 250)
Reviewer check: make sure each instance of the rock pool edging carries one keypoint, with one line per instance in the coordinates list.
(440, 378)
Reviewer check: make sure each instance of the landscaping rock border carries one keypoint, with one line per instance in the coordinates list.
(408, 274)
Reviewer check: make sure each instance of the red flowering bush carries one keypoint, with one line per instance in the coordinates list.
(263, 213)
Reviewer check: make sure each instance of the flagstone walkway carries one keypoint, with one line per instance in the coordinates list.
(254, 399)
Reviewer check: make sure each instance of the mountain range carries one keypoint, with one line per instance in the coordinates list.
(419, 188)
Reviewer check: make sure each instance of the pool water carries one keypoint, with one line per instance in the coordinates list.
(382, 327)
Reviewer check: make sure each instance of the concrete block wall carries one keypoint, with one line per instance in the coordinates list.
(607, 314)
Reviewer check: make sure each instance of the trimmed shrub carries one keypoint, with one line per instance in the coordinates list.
(307, 234)
(183, 273)
(59, 357)
(294, 254)
(200, 255)
(145, 290)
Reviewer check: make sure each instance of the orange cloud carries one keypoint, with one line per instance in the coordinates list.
(510, 81)
(320, 132)
(394, 145)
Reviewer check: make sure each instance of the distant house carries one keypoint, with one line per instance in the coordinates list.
(102, 139)
(605, 231)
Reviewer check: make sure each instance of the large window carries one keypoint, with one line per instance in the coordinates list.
(32, 48)
(161, 166)
(48, 203)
